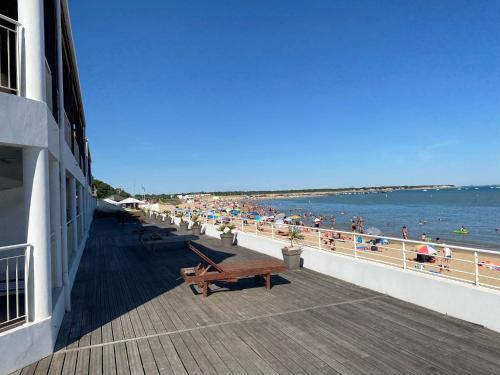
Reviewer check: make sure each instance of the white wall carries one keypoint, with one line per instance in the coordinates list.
(474, 304)
(25, 344)
(12, 228)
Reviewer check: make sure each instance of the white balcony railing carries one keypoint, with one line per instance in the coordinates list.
(9, 55)
(14, 271)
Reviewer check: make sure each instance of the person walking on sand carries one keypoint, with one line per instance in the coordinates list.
(446, 258)
(404, 232)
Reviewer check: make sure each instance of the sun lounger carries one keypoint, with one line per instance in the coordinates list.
(208, 271)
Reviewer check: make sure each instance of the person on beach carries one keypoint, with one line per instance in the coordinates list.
(331, 239)
(317, 222)
(424, 237)
(334, 221)
(404, 232)
(445, 263)
(353, 225)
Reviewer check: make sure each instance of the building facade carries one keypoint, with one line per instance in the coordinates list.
(46, 202)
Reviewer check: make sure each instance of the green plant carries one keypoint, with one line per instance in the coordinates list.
(294, 235)
(226, 228)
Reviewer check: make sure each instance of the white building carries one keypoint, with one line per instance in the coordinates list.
(46, 205)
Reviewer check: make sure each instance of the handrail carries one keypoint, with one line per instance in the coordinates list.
(470, 265)
(8, 19)
(12, 247)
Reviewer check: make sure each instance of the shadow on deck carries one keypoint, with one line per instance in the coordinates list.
(132, 313)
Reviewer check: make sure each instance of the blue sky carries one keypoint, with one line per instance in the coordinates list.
(221, 95)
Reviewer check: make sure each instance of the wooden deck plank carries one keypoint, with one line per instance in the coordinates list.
(124, 291)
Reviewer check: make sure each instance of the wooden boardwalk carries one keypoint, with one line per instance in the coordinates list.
(132, 314)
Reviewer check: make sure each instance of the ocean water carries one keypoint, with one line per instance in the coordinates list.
(434, 212)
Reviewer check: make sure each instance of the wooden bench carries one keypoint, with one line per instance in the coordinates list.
(208, 271)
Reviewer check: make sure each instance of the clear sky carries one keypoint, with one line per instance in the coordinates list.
(221, 95)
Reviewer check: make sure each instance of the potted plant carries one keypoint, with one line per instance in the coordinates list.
(226, 236)
(196, 227)
(166, 216)
(291, 254)
(183, 225)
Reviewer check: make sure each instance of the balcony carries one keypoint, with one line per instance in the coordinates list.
(9, 55)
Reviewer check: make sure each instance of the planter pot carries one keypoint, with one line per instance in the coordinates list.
(196, 229)
(226, 239)
(291, 257)
(183, 226)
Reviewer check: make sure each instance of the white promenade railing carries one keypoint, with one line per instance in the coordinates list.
(10, 31)
(14, 273)
(475, 266)
(468, 264)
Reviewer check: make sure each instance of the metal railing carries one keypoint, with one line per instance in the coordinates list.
(9, 55)
(14, 273)
(467, 264)
(475, 266)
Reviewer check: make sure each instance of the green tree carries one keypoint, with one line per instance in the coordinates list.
(105, 190)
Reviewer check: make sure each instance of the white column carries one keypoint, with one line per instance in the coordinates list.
(55, 219)
(33, 47)
(72, 212)
(80, 212)
(36, 200)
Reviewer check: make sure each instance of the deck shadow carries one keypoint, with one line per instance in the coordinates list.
(118, 274)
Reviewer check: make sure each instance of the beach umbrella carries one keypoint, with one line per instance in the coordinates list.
(373, 231)
(255, 213)
(295, 217)
(426, 249)
(279, 217)
(257, 218)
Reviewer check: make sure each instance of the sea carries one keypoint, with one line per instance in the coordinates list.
(435, 212)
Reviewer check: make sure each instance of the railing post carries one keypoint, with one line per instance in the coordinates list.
(476, 267)
(256, 229)
(272, 231)
(404, 255)
(242, 225)
(319, 239)
(355, 245)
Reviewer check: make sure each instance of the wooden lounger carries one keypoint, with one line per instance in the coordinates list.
(208, 271)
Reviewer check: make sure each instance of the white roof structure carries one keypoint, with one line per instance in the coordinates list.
(110, 201)
(130, 200)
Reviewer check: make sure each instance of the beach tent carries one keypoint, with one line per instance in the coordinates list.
(110, 201)
(130, 203)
